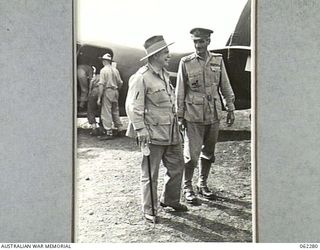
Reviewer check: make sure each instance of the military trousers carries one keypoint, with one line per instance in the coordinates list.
(84, 73)
(110, 109)
(172, 159)
(93, 108)
(200, 141)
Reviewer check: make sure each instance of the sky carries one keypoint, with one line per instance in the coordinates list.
(131, 22)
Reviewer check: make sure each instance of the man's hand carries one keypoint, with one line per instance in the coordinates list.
(230, 118)
(143, 136)
(182, 124)
(99, 101)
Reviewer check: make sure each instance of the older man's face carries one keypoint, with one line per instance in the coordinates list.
(201, 45)
(163, 57)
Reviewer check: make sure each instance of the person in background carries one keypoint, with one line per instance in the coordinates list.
(109, 84)
(84, 76)
(93, 108)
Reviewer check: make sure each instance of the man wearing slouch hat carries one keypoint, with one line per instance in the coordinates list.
(153, 121)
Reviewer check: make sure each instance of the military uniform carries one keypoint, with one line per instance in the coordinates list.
(150, 104)
(84, 75)
(93, 108)
(111, 81)
(199, 82)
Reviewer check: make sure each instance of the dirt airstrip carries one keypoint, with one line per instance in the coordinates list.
(108, 195)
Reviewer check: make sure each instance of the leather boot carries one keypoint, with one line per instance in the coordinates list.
(188, 190)
(190, 197)
(204, 170)
(107, 136)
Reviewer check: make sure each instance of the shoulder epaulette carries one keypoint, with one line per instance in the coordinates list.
(143, 69)
(216, 54)
(189, 57)
(215, 59)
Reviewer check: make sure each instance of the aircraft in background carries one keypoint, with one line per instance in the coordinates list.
(236, 55)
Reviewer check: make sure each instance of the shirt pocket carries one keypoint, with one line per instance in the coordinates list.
(215, 74)
(159, 127)
(158, 96)
(194, 108)
(195, 81)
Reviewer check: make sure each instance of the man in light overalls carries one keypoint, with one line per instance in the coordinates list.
(109, 84)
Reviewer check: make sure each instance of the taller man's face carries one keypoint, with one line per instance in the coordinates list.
(201, 45)
(163, 57)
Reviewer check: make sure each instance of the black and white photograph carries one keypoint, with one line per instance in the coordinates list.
(164, 121)
(159, 122)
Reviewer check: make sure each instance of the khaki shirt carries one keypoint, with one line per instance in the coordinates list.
(150, 104)
(110, 77)
(199, 83)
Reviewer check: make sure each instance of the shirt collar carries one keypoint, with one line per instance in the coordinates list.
(163, 74)
(154, 70)
(201, 58)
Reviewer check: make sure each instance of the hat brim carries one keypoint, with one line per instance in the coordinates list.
(104, 59)
(194, 38)
(156, 51)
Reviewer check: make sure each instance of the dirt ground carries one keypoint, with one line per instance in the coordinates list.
(108, 195)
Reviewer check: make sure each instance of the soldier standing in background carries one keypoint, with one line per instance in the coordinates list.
(109, 84)
(93, 108)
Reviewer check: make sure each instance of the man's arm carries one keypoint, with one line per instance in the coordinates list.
(135, 101)
(135, 106)
(180, 94)
(180, 90)
(227, 94)
(101, 84)
(226, 89)
(119, 80)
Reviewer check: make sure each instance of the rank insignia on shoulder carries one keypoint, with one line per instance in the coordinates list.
(217, 54)
(189, 57)
(215, 64)
(214, 68)
(143, 69)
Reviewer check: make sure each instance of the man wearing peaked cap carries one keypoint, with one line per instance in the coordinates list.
(109, 84)
(201, 77)
(152, 119)
(200, 33)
